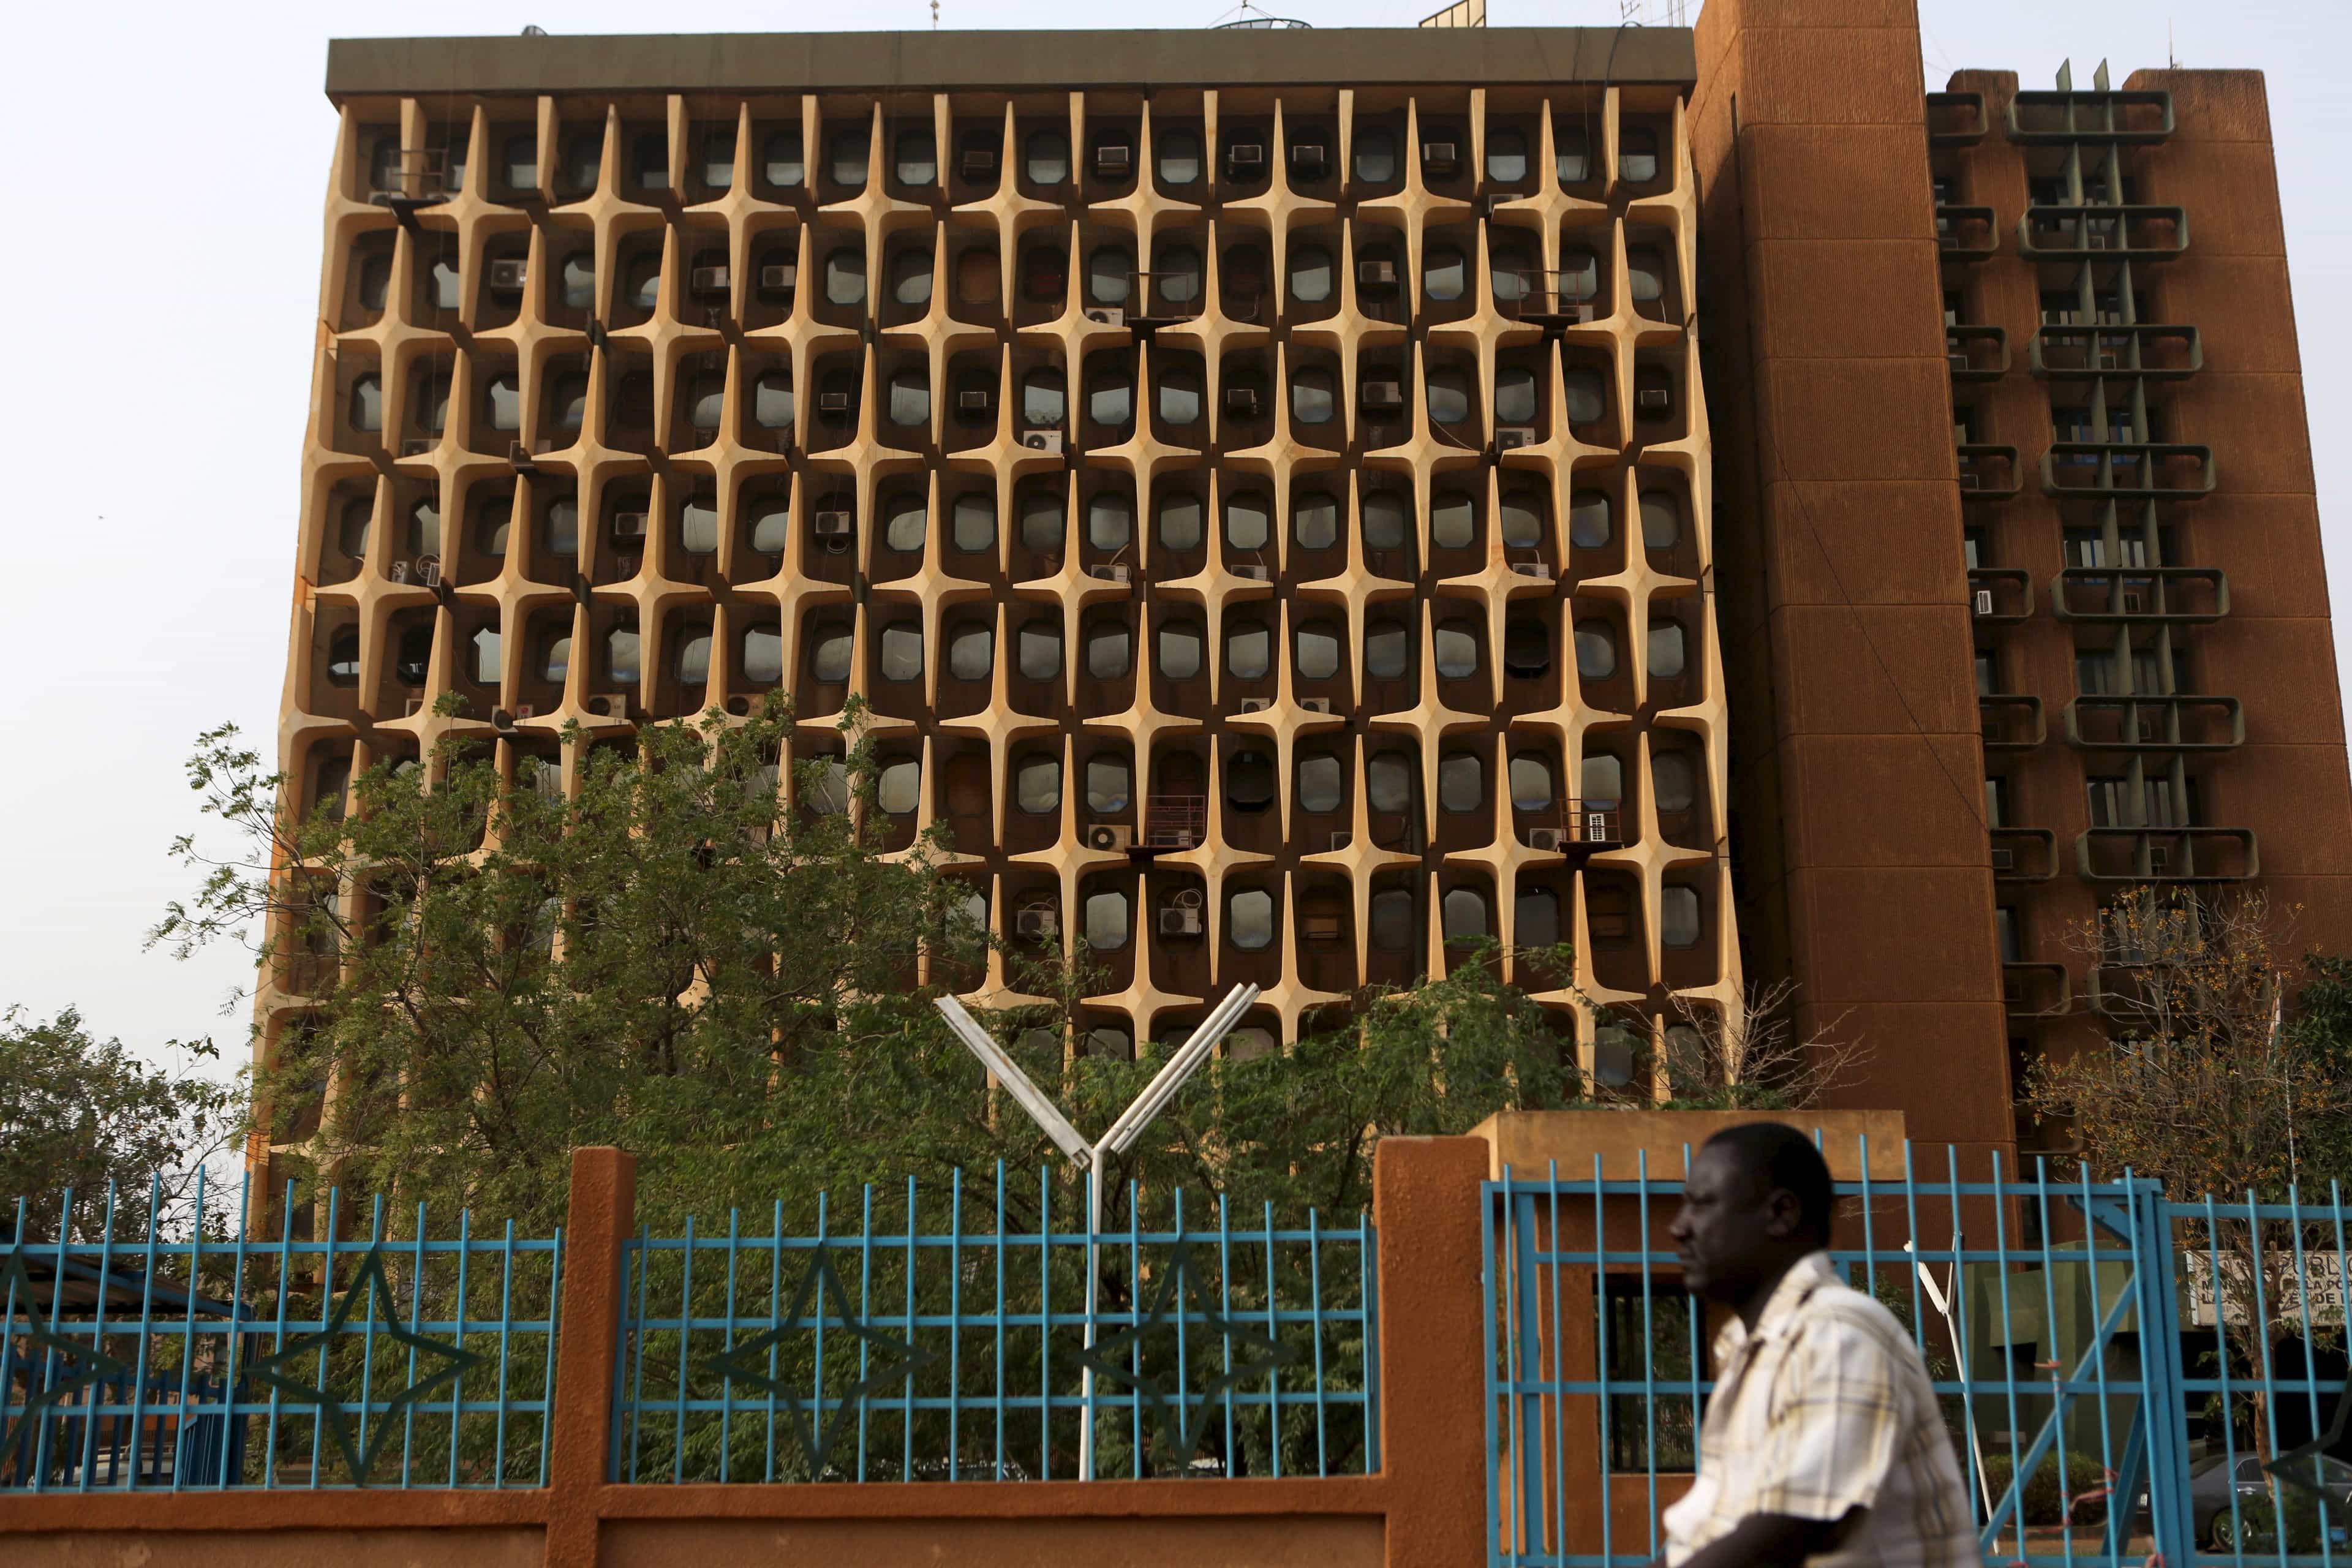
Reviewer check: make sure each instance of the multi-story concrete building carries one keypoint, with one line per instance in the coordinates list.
(1262, 485)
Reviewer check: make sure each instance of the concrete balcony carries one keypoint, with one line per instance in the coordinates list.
(1999, 595)
(2036, 990)
(1966, 234)
(2127, 470)
(2155, 723)
(2098, 232)
(1976, 353)
(2157, 352)
(1987, 472)
(1955, 118)
(2141, 595)
(2024, 854)
(2099, 115)
(2011, 723)
(2209, 854)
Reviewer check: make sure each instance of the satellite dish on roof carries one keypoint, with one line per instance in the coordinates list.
(1252, 18)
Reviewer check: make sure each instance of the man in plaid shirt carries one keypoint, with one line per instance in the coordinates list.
(1823, 1443)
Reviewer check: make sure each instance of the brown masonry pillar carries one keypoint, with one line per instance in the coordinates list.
(602, 1216)
(1848, 648)
(1426, 1205)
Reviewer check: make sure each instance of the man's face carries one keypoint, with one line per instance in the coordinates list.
(1727, 1231)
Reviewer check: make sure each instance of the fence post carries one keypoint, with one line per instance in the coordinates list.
(602, 1216)
(2164, 1405)
(1426, 1193)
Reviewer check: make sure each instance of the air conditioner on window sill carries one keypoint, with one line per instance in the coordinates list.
(1439, 157)
(1316, 704)
(779, 277)
(1654, 397)
(1241, 402)
(1254, 574)
(1383, 397)
(1257, 704)
(1547, 840)
(1376, 274)
(2004, 859)
(607, 704)
(427, 571)
(974, 402)
(1246, 155)
(833, 404)
(1111, 836)
(1106, 315)
(417, 446)
(397, 572)
(1037, 924)
(831, 525)
(1047, 441)
(502, 721)
(508, 275)
(1113, 162)
(1511, 438)
(1108, 571)
(1341, 838)
(1180, 921)
(711, 280)
(629, 526)
(1984, 601)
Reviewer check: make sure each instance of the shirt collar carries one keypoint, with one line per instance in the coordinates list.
(1803, 1276)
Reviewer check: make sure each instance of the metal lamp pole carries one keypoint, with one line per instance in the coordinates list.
(1090, 1158)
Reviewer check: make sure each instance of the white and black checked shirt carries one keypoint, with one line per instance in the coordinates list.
(1824, 1407)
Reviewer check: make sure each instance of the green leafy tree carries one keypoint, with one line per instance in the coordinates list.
(80, 1113)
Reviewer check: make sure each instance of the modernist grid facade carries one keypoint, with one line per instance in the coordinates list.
(1261, 487)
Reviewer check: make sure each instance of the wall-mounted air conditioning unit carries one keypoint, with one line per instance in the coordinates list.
(1106, 315)
(1116, 836)
(1440, 157)
(1538, 569)
(1241, 402)
(2003, 858)
(1654, 397)
(508, 275)
(607, 704)
(1376, 274)
(1047, 441)
(1036, 924)
(629, 526)
(427, 571)
(1984, 601)
(779, 277)
(1257, 704)
(1383, 397)
(831, 525)
(833, 404)
(1110, 572)
(974, 402)
(1316, 704)
(1249, 155)
(1511, 438)
(1547, 840)
(1114, 161)
(1253, 573)
(711, 280)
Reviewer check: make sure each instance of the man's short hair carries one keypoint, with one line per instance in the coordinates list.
(1777, 1155)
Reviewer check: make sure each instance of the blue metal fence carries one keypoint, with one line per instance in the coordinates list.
(2077, 1332)
(135, 1359)
(948, 1340)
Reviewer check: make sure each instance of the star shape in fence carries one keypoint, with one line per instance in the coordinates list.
(361, 1455)
(2284, 1467)
(93, 1361)
(1110, 1356)
(745, 1362)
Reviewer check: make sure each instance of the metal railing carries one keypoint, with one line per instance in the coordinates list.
(2073, 1330)
(134, 1357)
(946, 1341)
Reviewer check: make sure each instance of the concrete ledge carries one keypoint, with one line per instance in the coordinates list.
(1526, 1143)
(1008, 61)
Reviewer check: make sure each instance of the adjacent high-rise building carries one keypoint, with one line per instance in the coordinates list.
(1261, 485)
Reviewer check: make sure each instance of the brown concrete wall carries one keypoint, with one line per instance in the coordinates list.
(2260, 526)
(1424, 1508)
(278, 1548)
(1282, 1542)
(1857, 764)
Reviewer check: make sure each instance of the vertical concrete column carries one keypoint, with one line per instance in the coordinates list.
(602, 1216)
(1848, 643)
(1425, 1199)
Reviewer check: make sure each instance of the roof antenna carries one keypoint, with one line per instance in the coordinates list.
(935, 15)
(2171, 61)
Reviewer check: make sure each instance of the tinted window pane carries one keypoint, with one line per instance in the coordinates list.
(1106, 928)
(1587, 519)
(1387, 647)
(902, 652)
(1391, 920)
(831, 661)
(1387, 781)
(1248, 650)
(971, 653)
(1312, 400)
(1466, 915)
(1180, 650)
(899, 789)
(1310, 275)
(1460, 782)
(1109, 783)
(1322, 782)
(1106, 653)
(1037, 785)
(1662, 519)
(1110, 521)
(1317, 653)
(1315, 520)
(785, 165)
(1596, 650)
(1442, 274)
(975, 521)
(1249, 919)
(698, 525)
(1384, 520)
(1376, 157)
(1452, 521)
(1048, 157)
(1531, 783)
(1180, 521)
(1246, 520)
(1040, 650)
(772, 401)
(764, 655)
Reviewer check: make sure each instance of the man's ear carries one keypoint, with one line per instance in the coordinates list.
(1783, 1215)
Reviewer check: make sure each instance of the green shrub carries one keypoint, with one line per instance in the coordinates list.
(2045, 1501)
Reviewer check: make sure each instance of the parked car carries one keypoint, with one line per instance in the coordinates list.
(2214, 1482)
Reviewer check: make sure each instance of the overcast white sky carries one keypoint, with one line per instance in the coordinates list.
(164, 182)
